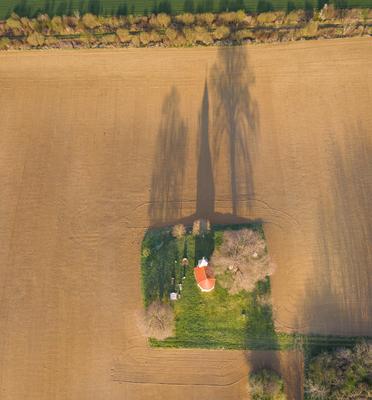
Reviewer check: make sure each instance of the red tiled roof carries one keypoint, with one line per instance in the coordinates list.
(206, 284)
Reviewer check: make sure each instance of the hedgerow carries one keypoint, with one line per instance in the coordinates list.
(204, 29)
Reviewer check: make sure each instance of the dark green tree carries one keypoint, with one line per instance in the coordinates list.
(95, 7)
(189, 6)
(291, 6)
(122, 9)
(264, 6)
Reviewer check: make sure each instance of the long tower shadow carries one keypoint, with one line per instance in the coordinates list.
(205, 190)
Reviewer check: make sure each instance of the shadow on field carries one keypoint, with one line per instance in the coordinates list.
(205, 190)
(169, 163)
(338, 297)
(234, 122)
(235, 119)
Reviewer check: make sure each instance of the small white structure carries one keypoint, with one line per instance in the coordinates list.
(203, 262)
(173, 296)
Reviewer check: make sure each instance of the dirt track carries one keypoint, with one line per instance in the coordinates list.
(96, 146)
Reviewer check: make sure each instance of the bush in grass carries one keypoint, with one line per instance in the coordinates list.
(4, 43)
(242, 260)
(201, 227)
(244, 34)
(221, 32)
(123, 35)
(154, 37)
(295, 17)
(51, 41)
(205, 19)
(158, 320)
(144, 38)
(171, 34)
(109, 39)
(190, 35)
(35, 39)
(13, 23)
(185, 19)
(178, 231)
(202, 35)
(266, 18)
(163, 20)
(90, 21)
(266, 385)
(310, 30)
(57, 24)
(343, 374)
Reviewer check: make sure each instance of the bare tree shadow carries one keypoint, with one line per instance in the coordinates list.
(338, 299)
(169, 163)
(236, 119)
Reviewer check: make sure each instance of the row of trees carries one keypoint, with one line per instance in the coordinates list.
(66, 7)
(343, 374)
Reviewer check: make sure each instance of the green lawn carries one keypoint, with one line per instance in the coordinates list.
(109, 7)
(216, 319)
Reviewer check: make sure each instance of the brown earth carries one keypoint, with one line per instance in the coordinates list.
(96, 146)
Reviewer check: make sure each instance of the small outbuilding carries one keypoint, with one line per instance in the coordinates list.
(203, 276)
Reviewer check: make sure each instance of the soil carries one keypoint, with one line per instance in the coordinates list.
(96, 146)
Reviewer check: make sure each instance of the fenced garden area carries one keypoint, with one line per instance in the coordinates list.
(218, 319)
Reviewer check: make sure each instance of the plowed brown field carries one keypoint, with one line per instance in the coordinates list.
(96, 146)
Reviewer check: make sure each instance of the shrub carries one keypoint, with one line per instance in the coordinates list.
(266, 18)
(4, 43)
(154, 37)
(123, 35)
(186, 19)
(203, 36)
(144, 38)
(158, 320)
(171, 34)
(201, 227)
(57, 25)
(232, 17)
(244, 34)
(13, 23)
(135, 40)
(178, 231)
(163, 20)
(242, 260)
(35, 39)
(266, 385)
(343, 374)
(109, 39)
(90, 21)
(51, 41)
(221, 32)
(205, 19)
(310, 30)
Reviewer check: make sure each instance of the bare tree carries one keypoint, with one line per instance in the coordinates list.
(201, 227)
(266, 385)
(242, 260)
(178, 231)
(158, 320)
